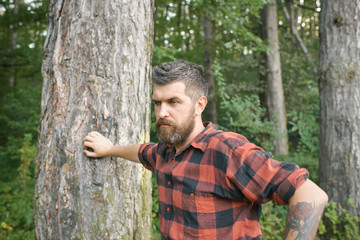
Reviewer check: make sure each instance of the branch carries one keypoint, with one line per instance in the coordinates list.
(307, 8)
(295, 32)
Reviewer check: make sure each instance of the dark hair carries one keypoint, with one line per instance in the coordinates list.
(192, 74)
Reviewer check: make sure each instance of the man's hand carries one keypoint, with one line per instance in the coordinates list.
(96, 145)
(99, 144)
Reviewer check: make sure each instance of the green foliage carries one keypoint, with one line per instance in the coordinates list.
(20, 114)
(179, 29)
(306, 125)
(339, 223)
(16, 205)
(273, 220)
(21, 55)
(244, 115)
(179, 33)
(300, 82)
(22, 38)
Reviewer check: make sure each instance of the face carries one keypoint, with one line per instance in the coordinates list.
(175, 113)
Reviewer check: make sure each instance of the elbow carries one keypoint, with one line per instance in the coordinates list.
(320, 195)
(309, 191)
(324, 197)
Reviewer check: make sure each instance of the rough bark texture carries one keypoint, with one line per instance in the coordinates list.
(209, 71)
(339, 167)
(274, 90)
(96, 76)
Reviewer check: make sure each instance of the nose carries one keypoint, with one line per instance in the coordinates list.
(163, 111)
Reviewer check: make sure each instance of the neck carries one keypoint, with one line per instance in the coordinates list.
(198, 128)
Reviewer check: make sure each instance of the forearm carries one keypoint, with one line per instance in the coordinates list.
(96, 146)
(129, 152)
(305, 211)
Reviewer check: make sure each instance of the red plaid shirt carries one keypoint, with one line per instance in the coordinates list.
(214, 187)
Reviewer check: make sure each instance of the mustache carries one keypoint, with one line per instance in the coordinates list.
(163, 121)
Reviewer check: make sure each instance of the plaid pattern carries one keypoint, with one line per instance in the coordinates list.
(214, 187)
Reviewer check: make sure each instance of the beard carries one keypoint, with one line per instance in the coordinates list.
(175, 134)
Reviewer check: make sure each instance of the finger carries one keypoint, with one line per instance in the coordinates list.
(88, 144)
(94, 134)
(89, 154)
(89, 138)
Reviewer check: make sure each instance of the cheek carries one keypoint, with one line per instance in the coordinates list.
(157, 116)
(156, 110)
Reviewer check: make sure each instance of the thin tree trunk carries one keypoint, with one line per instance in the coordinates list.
(262, 64)
(295, 33)
(14, 36)
(179, 12)
(209, 71)
(274, 90)
(96, 74)
(339, 165)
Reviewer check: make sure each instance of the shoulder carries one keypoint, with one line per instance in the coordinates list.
(234, 144)
(230, 139)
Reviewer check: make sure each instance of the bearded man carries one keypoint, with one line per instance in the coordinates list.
(212, 183)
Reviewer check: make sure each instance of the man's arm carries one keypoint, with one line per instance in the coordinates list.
(306, 207)
(101, 147)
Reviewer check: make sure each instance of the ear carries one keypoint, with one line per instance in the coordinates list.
(200, 105)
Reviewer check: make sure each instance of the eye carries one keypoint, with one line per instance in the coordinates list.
(173, 102)
(156, 103)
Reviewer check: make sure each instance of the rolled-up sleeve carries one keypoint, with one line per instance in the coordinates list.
(261, 178)
(147, 155)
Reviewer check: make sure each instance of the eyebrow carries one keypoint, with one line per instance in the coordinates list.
(166, 100)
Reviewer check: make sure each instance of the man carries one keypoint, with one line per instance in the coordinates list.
(212, 183)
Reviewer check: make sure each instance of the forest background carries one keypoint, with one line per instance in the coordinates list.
(237, 52)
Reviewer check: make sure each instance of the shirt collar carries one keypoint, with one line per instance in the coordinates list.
(200, 141)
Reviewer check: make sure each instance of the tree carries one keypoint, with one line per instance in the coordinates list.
(208, 64)
(274, 90)
(21, 51)
(218, 29)
(14, 35)
(96, 73)
(339, 171)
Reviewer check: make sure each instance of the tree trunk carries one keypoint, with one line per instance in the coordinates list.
(209, 71)
(96, 77)
(339, 166)
(274, 91)
(179, 11)
(14, 36)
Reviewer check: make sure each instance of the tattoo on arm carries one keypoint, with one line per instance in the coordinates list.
(303, 220)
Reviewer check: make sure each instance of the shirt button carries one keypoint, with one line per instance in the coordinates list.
(192, 194)
(169, 183)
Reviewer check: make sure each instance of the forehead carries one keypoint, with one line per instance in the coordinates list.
(171, 90)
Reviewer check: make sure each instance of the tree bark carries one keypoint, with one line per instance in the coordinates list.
(274, 90)
(339, 165)
(96, 77)
(209, 71)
